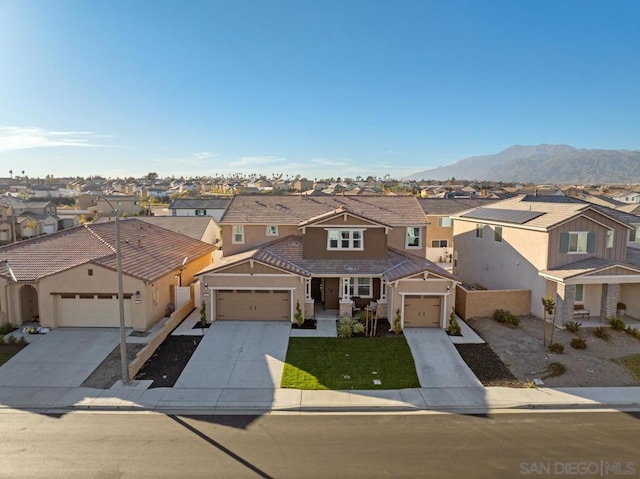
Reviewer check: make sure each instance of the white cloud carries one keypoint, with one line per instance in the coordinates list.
(21, 138)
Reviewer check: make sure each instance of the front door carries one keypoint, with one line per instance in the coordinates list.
(331, 293)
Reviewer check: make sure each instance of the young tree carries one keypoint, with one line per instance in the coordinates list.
(549, 306)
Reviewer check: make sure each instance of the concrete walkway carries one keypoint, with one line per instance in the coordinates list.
(438, 363)
(238, 355)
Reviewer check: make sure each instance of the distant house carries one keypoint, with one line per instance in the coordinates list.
(202, 206)
(629, 197)
(202, 228)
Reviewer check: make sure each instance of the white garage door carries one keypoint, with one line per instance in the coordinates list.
(92, 310)
(253, 305)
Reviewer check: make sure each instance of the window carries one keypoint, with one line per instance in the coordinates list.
(610, 239)
(579, 293)
(90, 272)
(272, 230)
(360, 287)
(479, 230)
(238, 234)
(414, 237)
(578, 242)
(634, 235)
(345, 239)
(439, 243)
(445, 222)
(201, 212)
(497, 234)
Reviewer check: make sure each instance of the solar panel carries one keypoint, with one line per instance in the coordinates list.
(507, 216)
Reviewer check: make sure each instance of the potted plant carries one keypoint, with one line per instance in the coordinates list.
(622, 309)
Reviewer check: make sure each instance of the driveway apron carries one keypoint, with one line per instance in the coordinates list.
(438, 363)
(65, 357)
(238, 354)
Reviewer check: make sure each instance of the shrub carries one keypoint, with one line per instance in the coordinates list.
(602, 333)
(12, 340)
(6, 329)
(578, 343)
(616, 324)
(345, 327)
(555, 369)
(22, 341)
(572, 326)
(454, 327)
(299, 316)
(556, 348)
(397, 323)
(633, 332)
(1, 338)
(358, 327)
(505, 316)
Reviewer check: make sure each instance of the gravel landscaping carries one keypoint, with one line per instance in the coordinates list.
(522, 352)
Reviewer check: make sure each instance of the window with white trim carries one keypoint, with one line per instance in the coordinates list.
(238, 234)
(634, 235)
(445, 222)
(578, 242)
(345, 239)
(439, 243)
(201, 212)
(414, 237)
(361, 287)
(272, 230)
(609, 238)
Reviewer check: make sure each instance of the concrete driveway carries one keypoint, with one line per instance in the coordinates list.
(65, 357)
(438, 363)
(238, 354)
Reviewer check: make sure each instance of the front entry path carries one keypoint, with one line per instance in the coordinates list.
(438, 363)
(238, 354)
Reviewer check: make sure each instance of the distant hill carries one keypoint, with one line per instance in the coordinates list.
(543, 164)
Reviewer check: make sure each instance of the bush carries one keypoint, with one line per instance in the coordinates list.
(572, 326)
(616, 324)
(6, 329)
(299, 316)
(1, 338)
(555, 369)
(556, 348)
(578, 343)
(345, 327)
(505, 316)
(602, 333)
(454, 327)
(22, 341)
(633, 332)
(397, 323)
(358, 327)
(12, 340)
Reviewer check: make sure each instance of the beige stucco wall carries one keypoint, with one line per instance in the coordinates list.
(630, 295)
(435, 232)
(513, 263)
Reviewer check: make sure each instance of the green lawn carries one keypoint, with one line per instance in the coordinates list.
(323, 363)
(632, 363)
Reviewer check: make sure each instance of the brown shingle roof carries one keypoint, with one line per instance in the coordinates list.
(446, 206)
(291, 210)
(159, 252)
(585, 266)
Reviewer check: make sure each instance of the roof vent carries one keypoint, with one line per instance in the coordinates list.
(293, 243)
(350, 268)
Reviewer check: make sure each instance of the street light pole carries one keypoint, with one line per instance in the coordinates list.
(123, 336)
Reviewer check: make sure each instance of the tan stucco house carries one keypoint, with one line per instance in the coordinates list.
(580, 253)
(69, 278)
(329, 253)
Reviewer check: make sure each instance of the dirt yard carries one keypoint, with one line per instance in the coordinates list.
(522, 351)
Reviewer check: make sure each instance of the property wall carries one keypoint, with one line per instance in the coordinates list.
(254, 235)
(483, 303)
(513, 263)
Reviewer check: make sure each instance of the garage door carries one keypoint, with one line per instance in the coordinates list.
(253, 305)
(422, 311)
(92, 310)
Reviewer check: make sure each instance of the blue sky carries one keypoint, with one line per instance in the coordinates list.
(321, 88)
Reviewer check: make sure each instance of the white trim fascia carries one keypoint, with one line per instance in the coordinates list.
(243, 275)
(424, 293)
(251, 288)
(610, 279)
(500, 223)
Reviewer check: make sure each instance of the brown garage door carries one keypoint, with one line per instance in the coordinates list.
(253, 305)
(422, 311)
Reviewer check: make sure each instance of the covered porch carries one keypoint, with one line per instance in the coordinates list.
(345, 295)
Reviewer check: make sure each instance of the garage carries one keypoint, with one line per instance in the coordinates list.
(92, 310)
(253, 305)
(422, 311)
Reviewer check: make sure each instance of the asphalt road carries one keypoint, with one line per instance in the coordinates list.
(107, 445)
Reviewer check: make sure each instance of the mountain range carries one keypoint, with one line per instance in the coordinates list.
(543, 164)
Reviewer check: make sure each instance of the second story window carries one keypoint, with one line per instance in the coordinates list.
(272, 230)
(610, 239)
(414, 237)
(201, 212)
(634, 235)
(445, 222)
(238, 234)
(345, 239)
(577, 242)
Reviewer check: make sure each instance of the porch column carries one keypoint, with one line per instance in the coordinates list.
(309, 304)
(345, 299)
(565, 299)
(609, 301)
(382, 310)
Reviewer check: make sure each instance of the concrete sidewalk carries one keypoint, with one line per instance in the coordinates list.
(136, 397)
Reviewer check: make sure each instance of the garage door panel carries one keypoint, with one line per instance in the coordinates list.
(421, 311)
(82, 311)
(253, 305)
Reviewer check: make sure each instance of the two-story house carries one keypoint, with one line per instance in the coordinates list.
(203, 206)
(576, 251)
(327, 253)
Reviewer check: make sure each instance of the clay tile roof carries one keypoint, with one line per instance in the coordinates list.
(292, 210)
(159, 252)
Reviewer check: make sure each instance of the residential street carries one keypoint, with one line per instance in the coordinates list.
(108, 445)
